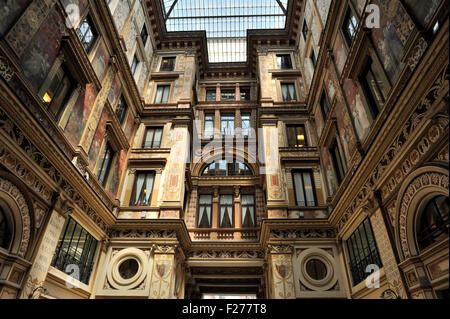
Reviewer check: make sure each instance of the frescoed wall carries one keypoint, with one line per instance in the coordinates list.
(116, 171)
(100, 61)
(80, 114)
(42, 50)
(10, 11)
(328, 168)
(423, 10)
(129, 125)
(340, 53)
(345, 131)
(99, 137)
(113, 94)
(361, 118)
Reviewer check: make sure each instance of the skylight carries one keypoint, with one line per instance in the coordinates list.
(225, 21)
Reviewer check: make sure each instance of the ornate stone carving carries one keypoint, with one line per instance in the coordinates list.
(279, 249)
(10, 189)
(226, 254)
(303, 233)
(6, 70)
(137, 233)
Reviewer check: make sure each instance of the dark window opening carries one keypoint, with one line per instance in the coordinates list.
(211, 95)
(105, 164)
(168, 64)
(433, 222)
(248, 211)
(305, 30)
(5, 230)
(338, 163)
(204, 211)
(245, 93)
(144, 34)
(162, 94)
(121, 110)
(350, 26)
(324, 106)
(296, 135)
(226, 211)
(223, 168)
(75, 247)
(227, 95)
(313, 58)
(284, 61)
(134, 64)
(362, 251)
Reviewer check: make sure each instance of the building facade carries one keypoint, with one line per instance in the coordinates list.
(135, 163)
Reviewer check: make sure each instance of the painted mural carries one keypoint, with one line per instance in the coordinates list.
(345, 131)
(82, 4)
(80, 114)
(330, 86)
(99, 137)
(114, 92)
(388, 39)
(100, 61)
(42, 50)
(340, 53)
(10, 11)
(423, 10)
(361, 118)
(129, 124)
(318, 121)
(116, 171)
(331, 179)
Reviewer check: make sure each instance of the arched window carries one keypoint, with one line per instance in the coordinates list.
(223, 168)
(433, 222)
(5, 230)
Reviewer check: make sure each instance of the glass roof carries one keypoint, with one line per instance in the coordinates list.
(225, 21)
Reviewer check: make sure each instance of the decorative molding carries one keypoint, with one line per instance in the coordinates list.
(210, 254)
(303, 233)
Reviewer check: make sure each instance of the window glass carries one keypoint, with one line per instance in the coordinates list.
(143, 188)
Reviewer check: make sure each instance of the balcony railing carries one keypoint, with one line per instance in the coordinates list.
(227, 234)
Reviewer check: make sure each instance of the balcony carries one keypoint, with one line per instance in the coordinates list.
(225, 234)
(299, 153)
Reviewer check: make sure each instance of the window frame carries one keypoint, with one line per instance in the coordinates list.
(222, 116)
(154, 129)
(144, 35)
(134, 64)
(232, 210)
(249, 129)
(134, 190)
(231, 91)
(206, 95)
(295, 98)
(335, 163)
(200, 206)
(324, 110)
(165, 86)
(123, 114)
(247, 97)
(205, 120)
(243, 206)
(302, 172)
(346, 23)
(281, 62)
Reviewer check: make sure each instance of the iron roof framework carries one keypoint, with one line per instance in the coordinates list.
(226, 22)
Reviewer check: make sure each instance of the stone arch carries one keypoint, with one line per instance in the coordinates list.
(15, 203)
(419, 187)
(209, 158)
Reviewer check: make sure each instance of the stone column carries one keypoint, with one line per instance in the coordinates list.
(276, 187)
(175, 170)
(281, 271)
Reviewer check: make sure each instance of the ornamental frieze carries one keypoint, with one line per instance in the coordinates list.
(303, 233)
(225, 254)
(37, 157)
(136, 233)
(397, 147)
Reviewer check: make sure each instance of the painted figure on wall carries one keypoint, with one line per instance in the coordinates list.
(360, 115)
(340, 53)
(423, 10)
(100, 61)
(10, 11)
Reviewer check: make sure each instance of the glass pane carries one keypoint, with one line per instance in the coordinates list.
(299, 189)
(157, 138)
(309, 191)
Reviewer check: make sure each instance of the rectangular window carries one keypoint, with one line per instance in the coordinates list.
(305, 30)
(121, 110)
(75, 247)
(338, 163)
(246, 124)
(208, 132)
(162, 94)
(168, 64)
(376, 87)
(284, 61)
(204, 211)
(227, 95)
(304, 188)
(211, 95)
(59, 91)
(362, 251)
(227, 125)
(248, 211)
(288, 92)
(134, 64)
(324, 106)
(142, 189)
(153, 136)
(105, 165)
(226, 219)
(296, 136)
(350, 26)
(87, 33)
(313, 58)
(245, 93)
(144, 34)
